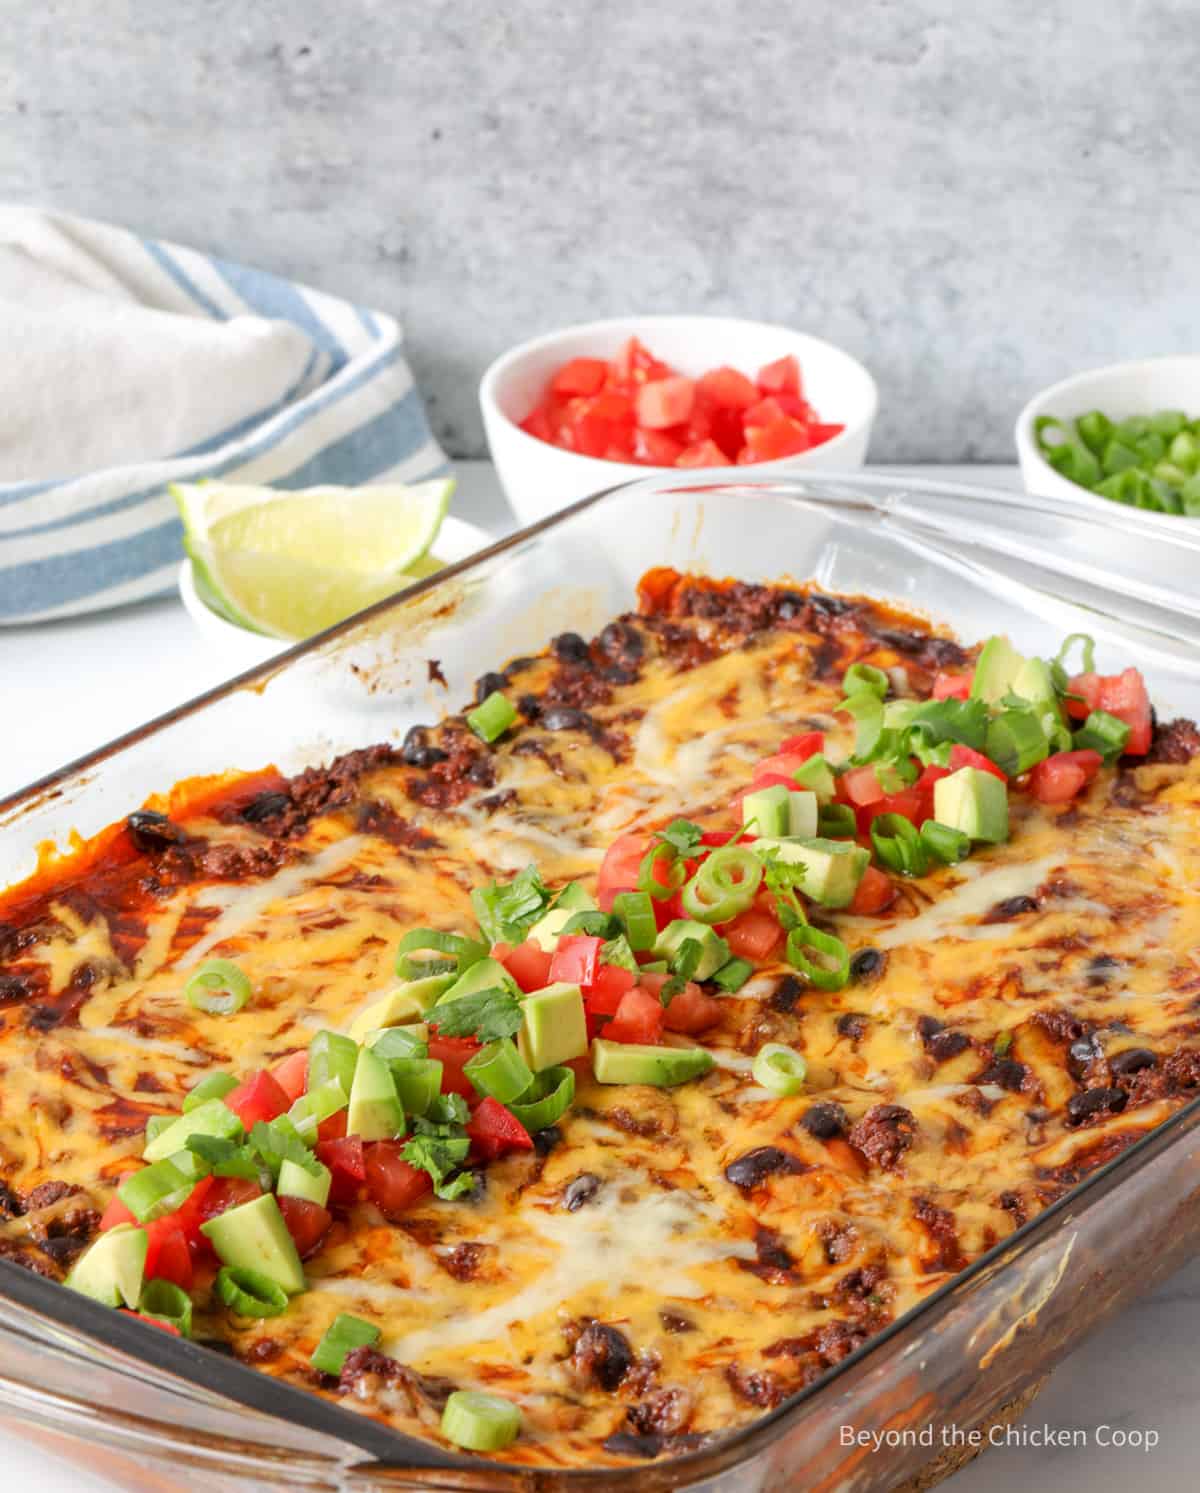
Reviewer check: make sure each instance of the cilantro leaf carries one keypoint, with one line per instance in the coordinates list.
(448, 1109)
(617, 951)
(682, 836)
(781, 879)
(441, 1156)
(965, 721)
(224, 1157)
(486, 1014)
(670, 989)
(278, 1142)
(506, 911)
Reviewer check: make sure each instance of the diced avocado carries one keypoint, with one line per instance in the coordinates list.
(311, 1183)
(627, 1062)
(555, 1029)
(714, 951)
(210, 1118)
(255, 1237)
(110, 1271)
(817, 776)
(802, 815)
(974, 802)
(767, 810)
(408, 1002)
(487, 974)
(832, 868)
(375, 1110)
(330, 1055)
(1032, 682)
(997, 668)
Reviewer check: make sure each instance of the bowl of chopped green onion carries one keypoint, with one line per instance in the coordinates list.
(1128, 433)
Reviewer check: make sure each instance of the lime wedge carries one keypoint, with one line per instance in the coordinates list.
(291, 563)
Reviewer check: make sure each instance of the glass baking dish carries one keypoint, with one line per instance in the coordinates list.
(150, 1411)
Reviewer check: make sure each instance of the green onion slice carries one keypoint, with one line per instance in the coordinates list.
(733, 976)
(461, 953)
(418, 1082)
(822, 958)
(867, 709)
(167, 1302)
(493, 717)
(648, 880)
(780, 1069)
(860, 677)
(250, 1293)
(218, 988)
(401, 1042)
(945, 844)
(1087, 646)
(342, 1336)
(724, 885)
(1016, 741)
(546, 1100)
(155, 1191)
(636, 912)
(480, 1422)
(1103, 733)
(836, 822)
(498, 1071)
(899, 845)
(214, 1086)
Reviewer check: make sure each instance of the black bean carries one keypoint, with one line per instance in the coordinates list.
(265, 806)
(604, 1354)
(619, 674)
(786, 994)
(544, 1141)
(1006, 1073)
(1132, 1060)
(418, 751)
(622, 640)
(530, 707)
(482, 772)
(627, 1444)
(488, 684)
(14, 989)
(852, 1024)
(1085, 1050)
(824, 1121)
(566, 718)
(831, 606)
(1102, 966)
(946, 1045)
(753, 1169)
(569, 648)
(1011, 907)
(580, 1191)
(1090, 1102)
(867, 964)
(10, 1203)
(518, 666)
(150, 831)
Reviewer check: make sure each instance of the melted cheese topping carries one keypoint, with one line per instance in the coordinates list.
(729, 1296)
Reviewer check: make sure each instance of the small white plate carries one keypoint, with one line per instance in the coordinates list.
(455, 541)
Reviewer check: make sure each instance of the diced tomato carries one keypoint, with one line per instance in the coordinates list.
(1123, 695)
(656, 448)
(167, 1254)
(619, 869)
(703, 454)
(690, 1010)
(952, 686)
(347, 1167)
(307, 1223)
(580, 376)
(752, 935)
(575, 960)
(1060, 777)
(725, 428)
(595, 434)
(818, 434)
(495, 1130)
(115, 1213)
(860, 786)
(727, 387)
(223, 1194)
(639, 1018)
(908, 803)
(783, 764)
(804, 746)
(667, 909)
(765, 412)
(780, 377)
(537, 424)
(333, 1128)
(774, 442)
(158, 1322)
(636, 364)
(292, 1075)
(715, 837)
(392, 1184)
(528, 964)
(965, 756)
(665, 402)
(875, 893)
(452, 1053)
(258, 1098)
(610, 984)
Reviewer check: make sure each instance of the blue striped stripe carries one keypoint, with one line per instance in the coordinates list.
(270, 296)
(167, 261)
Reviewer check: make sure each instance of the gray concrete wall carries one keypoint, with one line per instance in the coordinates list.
(976, 197)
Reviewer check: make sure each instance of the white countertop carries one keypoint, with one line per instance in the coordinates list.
(121, 668)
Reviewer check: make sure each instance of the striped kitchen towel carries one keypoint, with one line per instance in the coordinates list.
(131, 363)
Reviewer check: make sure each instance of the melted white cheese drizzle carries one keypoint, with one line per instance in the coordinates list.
(979, 890)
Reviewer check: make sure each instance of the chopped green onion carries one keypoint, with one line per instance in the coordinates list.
(156, 1124)
(1016, 742)
(780, 1069)
(830, 969)
(250, 1293)
(732, 976)
(418, 1082)
(836, 822)
(945, 844)
(816, 776)
(648, 881)
(342, 1336)
(480, 1422)
(498, 1071)
(492, 719)
(461, 953)
(898, 845)
(1144, 461)
(865, 677)
(401, 1042)
(155, 1190)
(167, 1302)
(218, 988)
(1076, 463)
(724, 885)
(332, 1058)
(867, 709)
(1095, 431)
(636, 912)
(315, 1106)
(215, 1086)
(546, 1100)
(1103, 733)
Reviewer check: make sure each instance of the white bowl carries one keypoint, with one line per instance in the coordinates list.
(1119, 390)
(541, 479)
(455, 541)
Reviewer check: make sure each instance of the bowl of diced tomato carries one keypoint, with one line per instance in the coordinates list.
(586, 408)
